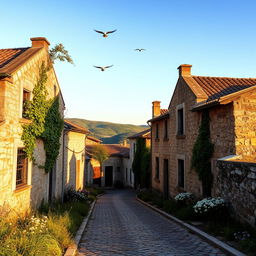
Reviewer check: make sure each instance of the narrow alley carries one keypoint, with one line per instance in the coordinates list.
(120, 225)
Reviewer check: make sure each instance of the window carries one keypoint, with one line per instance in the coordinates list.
(22, 168)
(165, 129)
(157, 168)
(181, 173)
(180, 119)
(157, 131)
(25, 99)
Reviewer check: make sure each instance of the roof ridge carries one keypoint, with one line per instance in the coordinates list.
(226, 77)
(17, 48)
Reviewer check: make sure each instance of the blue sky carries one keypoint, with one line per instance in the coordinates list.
(217, 37)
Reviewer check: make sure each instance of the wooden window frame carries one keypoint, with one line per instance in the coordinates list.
(27, 95)
(21, 168)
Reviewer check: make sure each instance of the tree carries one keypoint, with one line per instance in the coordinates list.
(58, 52)
(141, 164)
(100, 153)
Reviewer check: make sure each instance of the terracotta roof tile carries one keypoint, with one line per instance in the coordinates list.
(216, 87)
(69, 126)
(112, 149)
(143, 134)
(163, 111)
(12, 59)
(7, 55)
(93, 139)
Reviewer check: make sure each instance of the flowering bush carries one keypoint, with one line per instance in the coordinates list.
(71, 195)
(36, 224)
(240, 236)
(209, 205)
(184, 196)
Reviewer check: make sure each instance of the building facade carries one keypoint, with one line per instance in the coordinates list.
(231, 105)
(23, 184)
(146, 135)
(74, 157)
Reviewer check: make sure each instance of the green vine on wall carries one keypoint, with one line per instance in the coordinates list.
(47, 123)
(202, 153)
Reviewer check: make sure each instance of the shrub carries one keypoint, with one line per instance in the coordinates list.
(212, 208)
(184, 199)
(186, 213)
(169, 206)
(71, 195)
(249, 245)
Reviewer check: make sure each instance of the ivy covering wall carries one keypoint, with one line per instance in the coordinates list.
(141, 164)
(47, 123)
(202, 153)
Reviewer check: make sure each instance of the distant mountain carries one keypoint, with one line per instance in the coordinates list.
(109, 133)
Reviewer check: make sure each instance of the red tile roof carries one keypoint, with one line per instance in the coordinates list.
(112, 149)
(144, 134)
(216, 87)
(69, 126)
(7, 55)
(163, 111)
(11, 59)
(93, 139)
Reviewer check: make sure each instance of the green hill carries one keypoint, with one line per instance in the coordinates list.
(109, 133)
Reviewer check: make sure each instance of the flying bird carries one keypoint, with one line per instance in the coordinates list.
(105, 34)
(139, 49)
(103, 68)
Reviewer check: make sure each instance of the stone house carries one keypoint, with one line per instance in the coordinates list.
(74, 155)
(231, 104)
(22, 183)
(92, 167)
(160, 148)
(114, 168)
(146, 134)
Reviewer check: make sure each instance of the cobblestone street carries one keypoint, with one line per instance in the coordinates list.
(120, 225)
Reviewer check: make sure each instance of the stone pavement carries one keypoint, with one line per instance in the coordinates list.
(121, 226)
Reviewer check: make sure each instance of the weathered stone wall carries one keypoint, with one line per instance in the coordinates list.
(75, 152)
(116, 162)
(10, 137)
(160, 148)
(236, 182)
(227, 129)
(181, 146)
(245, 124)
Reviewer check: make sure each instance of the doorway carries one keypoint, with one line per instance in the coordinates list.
(166, 179)
(108, 176)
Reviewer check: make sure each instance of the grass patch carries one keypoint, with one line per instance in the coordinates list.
(47, 232)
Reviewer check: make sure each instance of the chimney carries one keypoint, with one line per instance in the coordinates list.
(40, 42)
(185, 70)
(156, 108)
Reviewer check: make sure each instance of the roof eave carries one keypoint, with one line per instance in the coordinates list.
(158, 118)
